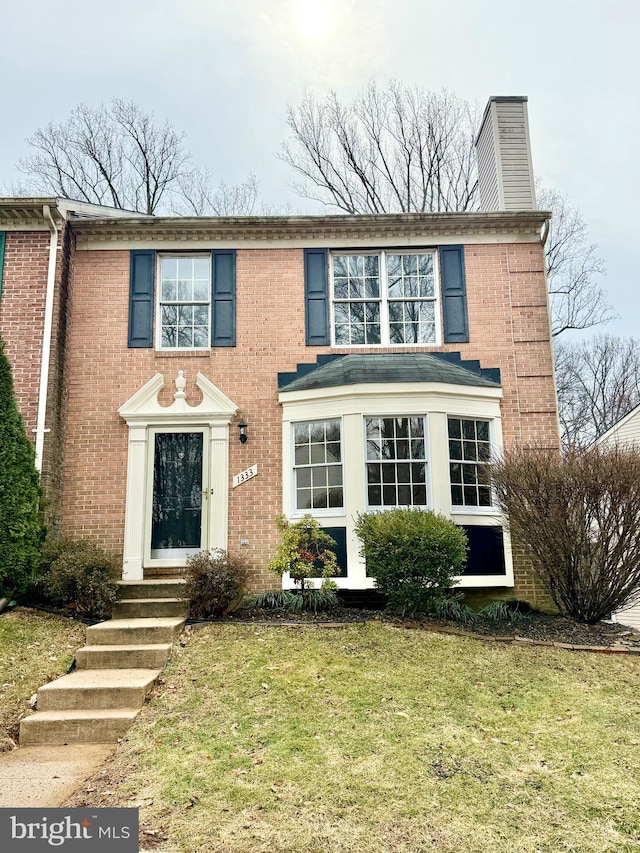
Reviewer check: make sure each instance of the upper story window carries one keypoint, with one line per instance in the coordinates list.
(184, 309)
(469, 455)
(318, 465)
(396, 462)
(384, 298)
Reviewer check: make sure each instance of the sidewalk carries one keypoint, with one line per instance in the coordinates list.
(45, 776)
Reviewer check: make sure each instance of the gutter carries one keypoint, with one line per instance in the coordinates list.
(46, 337)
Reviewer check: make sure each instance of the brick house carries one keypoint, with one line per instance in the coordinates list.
(187, 379)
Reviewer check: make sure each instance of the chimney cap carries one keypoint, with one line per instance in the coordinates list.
(499, 99)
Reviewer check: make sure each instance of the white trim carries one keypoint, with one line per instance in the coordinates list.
(144, 416)
(46, 338)
(383, 299)
(160, 256)
(435, 402)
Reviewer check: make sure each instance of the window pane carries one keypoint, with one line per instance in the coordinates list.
(455, 428)
(469, 450)
(334, 475)
(185, 337)
(201, 268)
(168, 337)
(482, 428)
(469, 429)
(318, 455)
(303, 477)
(303, 499)
(470, 496)
(201, 291)
(341, 287)
(456, 495)
(402, 449)
(301, 433)
(419, 495)
(374, 494)
(168, 290)
(169, 315)
(185, 290)
(389, 497)
(169, 268)
(201, 315)
(339, 265)
(374, 474)
(403, 472)
(320, 499)
(455, 450)
(484, 493)
(335, 497)
(200, 336)
(333, 451)
(404, 495)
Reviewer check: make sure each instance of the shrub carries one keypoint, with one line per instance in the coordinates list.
(79, 576)
(413, 556)
(215, 582)
(21, 526)
(579, 519)
(305, 551)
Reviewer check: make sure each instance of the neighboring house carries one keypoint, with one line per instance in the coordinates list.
(625, 432)
(187, 379)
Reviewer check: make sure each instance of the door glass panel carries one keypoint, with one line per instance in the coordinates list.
(176, 524)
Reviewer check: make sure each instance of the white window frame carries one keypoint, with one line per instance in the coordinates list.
(464, 509)
(382, 507)
(320, 512)
(384, 298)
(159, 301)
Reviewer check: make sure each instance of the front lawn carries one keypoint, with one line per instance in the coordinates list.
(34, 648)
(374, 738)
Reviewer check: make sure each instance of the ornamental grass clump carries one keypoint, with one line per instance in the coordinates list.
(413, 555)
(306, 552)
(578, 517)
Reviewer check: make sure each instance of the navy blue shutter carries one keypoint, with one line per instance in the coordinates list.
(223, 298)
(141, 282)
(316, 297)
(454, 295)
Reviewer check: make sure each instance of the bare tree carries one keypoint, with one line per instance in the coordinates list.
(598, 383)
(119, 155)
(573, 267)
(393, 150)
(198, 196)
(578, 518)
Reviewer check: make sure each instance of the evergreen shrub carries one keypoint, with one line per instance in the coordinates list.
(413, 555)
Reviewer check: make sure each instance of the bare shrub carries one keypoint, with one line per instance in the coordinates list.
(579, 518)
(215, 582)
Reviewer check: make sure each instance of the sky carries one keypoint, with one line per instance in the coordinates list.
(225, 71)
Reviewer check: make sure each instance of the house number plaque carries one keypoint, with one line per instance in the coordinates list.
(245, 475)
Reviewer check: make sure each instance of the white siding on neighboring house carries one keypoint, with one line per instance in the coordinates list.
(625, 432)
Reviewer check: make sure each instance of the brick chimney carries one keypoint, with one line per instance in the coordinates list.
(505, 171)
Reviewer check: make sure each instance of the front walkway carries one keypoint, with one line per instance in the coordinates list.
(46, 776)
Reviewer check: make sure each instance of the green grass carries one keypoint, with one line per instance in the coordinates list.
(34, 648)
(376, 738)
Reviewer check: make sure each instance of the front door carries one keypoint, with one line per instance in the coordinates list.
(178, 511)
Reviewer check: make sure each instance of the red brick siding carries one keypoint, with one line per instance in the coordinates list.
(508, 329)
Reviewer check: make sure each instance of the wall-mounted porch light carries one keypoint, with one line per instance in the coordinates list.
(242, 429)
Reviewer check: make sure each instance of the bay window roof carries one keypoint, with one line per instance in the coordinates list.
(365, 368)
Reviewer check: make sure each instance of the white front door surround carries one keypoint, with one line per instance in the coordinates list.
(145, 417)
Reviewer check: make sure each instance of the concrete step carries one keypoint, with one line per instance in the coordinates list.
(148, 608)
(97, 689)
(133, 632)
(156, 588)
(76, 726)
(150, 656)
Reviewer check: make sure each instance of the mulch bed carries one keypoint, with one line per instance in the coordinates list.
(537, 627)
